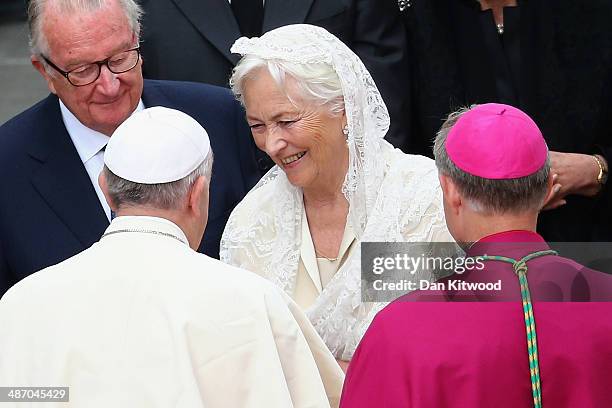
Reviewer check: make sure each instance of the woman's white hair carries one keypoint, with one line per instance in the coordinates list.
(317, 83)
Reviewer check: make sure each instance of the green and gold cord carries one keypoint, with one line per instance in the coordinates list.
(520, 268)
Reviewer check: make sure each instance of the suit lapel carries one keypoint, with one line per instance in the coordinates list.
(215, 21)
(150, 95)
(278, 13)
(62, 180)
(154, 94)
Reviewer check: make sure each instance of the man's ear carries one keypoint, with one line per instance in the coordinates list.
(198, 197)
(40, 67)
(104, 188)
(550, 201)
(550, 184)
(451, 194)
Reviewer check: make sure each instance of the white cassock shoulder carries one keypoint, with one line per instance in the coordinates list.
(162, 326)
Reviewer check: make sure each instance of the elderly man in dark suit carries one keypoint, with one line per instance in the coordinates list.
(190, 40)
(51, 206)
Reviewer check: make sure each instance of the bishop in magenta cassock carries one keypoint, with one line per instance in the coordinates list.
(542, 338)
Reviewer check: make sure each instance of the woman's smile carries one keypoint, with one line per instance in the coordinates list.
(292, 161)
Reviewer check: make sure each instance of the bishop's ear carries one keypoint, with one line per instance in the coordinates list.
(451, 195)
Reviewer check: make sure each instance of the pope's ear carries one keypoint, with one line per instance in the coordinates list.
(198, 195)
(104, 187)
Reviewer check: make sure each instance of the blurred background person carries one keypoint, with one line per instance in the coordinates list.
(141, 319)
(313, 108)
(190, 40)
(542, 339)
(553, 60)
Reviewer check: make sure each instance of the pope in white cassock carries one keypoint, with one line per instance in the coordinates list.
(141, 319)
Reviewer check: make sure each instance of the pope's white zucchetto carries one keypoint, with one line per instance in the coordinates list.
(157, 145)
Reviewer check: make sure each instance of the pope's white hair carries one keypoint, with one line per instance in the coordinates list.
(164, 196)
(316, 83)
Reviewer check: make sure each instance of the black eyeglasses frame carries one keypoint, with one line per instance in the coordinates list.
(66, 74)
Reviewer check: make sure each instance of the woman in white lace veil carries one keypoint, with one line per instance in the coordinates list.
(288, 78)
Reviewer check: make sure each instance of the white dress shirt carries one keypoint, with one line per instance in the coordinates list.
(89, 144)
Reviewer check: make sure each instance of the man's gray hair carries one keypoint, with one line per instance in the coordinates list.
(166, 196)
(36, 8)
(317, 83)
(488, 195)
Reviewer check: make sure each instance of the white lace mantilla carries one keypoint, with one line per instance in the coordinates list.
(392, 196)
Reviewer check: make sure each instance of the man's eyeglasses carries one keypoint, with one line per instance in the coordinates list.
(87, 74)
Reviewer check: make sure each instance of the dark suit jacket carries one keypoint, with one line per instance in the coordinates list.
(49, 210)
(189, 40)
(564, 83)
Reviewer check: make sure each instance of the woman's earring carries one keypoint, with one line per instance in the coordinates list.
(345, 131)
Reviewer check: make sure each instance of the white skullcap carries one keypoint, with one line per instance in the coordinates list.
(156, 145)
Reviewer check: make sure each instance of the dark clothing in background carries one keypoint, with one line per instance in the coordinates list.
(191, 39)
(554, 61)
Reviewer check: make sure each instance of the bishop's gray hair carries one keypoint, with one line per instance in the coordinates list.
(317, 83)
(165, 196)
(487, 195)
(36, 9)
